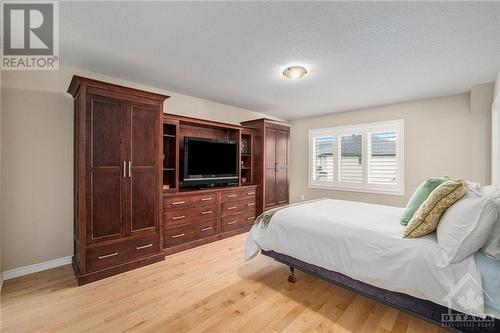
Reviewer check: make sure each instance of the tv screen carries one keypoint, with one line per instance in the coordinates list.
(210, 158)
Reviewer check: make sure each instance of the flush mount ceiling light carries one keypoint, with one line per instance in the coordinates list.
(294, 72)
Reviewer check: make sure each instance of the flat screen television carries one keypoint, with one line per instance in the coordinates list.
(210, 162)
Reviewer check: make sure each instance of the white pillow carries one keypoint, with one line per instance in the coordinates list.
(466, 226)
(492, 245)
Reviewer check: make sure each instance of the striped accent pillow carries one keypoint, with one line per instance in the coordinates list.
(427, 217)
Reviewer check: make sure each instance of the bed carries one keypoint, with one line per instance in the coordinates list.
(359, 246)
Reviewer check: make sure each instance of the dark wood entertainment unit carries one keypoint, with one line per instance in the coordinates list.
(193, 217)
(131, 204)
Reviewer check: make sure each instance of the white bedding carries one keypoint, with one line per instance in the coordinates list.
(364, 242)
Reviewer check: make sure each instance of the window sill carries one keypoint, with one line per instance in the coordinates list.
(360, 190)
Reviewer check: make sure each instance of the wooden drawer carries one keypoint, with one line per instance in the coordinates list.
(189, 201)
(189, 232)
(104, 256)
(249, 193)
(250, 216)
(238, 194)
(184, 216)
(234, 207)
(231, 222)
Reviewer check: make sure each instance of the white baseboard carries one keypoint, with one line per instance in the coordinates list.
(16, 272)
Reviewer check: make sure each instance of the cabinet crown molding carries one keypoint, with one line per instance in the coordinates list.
(78, 81)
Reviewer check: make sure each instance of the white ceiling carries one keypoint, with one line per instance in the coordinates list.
(358, 54)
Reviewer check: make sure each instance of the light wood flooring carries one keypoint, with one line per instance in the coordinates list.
(207, 289)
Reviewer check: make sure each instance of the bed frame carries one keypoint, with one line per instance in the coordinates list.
(420, 308)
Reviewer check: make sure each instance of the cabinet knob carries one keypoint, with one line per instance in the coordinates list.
(206, 229)
(178, 217)
(144, 246)
(178, 235)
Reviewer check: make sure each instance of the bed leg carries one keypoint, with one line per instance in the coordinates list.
(291, 277)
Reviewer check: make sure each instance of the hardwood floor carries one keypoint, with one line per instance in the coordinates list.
(206, 289)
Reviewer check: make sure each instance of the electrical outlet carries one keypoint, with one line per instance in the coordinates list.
(302, 197)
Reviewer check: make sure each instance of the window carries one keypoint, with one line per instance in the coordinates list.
(364, 158)
(323, 158)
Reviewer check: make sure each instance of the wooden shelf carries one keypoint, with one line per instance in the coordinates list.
(170, 153)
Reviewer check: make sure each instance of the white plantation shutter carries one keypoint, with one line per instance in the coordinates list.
(351, 158)
(382, 162)
(323, 148)
(366, 157)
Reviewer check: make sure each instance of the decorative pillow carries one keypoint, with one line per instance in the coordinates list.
(427, 217)
(465, 227)
(492, 246)
(418, 197)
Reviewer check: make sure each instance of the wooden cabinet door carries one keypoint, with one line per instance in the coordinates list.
(270, 168)
(105, 167)
(281, 183)
(144, 168)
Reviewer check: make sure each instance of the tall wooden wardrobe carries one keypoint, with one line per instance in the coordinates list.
(271, 160)
(118, 178)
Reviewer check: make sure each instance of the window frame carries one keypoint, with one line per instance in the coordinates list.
(363, 129)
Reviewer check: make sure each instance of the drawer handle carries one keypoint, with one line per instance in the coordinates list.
(232, 207)
(177, 236)
(282, 201)
(251, 204)
(178, 203)
(206, 199)
(251, 218)
(206, 212)
(144, 246)
(108, 255)
(250, 193)
(179, 217)
(232, 222)
(231, 196)
(206, 229)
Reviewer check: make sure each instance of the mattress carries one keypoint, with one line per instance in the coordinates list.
(364, 241)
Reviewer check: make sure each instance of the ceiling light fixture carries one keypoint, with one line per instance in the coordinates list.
(294, 72)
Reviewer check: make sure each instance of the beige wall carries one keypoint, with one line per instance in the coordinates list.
(1, 211)
(495, 126)
(442, 137)
(497, 88)
(37, 173)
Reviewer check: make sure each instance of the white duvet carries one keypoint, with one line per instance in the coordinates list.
(364, 242)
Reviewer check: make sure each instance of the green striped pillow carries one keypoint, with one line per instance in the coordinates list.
(427, 217)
